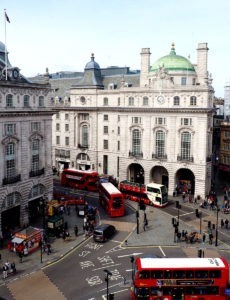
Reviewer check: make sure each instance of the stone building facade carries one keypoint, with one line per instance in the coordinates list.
(152, 125)
(26, 178)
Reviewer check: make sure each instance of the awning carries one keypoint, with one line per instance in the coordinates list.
(17, 240)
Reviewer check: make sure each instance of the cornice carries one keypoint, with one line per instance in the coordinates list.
(136, 110)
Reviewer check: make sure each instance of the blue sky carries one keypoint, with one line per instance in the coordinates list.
(61, 35)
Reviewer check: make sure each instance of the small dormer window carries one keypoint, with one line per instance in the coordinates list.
(112, 86)
(126, 84)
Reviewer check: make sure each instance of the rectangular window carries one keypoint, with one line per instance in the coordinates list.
(105, 101)
(26, 101)
(66, 116)
(67, 141)
(183, 80)
(118, 118)
(57, 140)
(41, 101)
(136, 120)
(186, 121)
(118, 145)
(118, 130)
(10, 129)
(118, 101)
(106, 129)
(160, 121)
(66, 127)
(84, 117)
(9, 100)
(10, 168)
(57, 127)
(58, 115)
(106, 144)
(106, 117)
(35, 155)
(35, 126)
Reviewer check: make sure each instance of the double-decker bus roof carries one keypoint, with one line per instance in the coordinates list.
(180, 263)
(80, 171)
(108, 186)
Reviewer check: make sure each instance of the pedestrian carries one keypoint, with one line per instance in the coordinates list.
(226, 223)
(13, 267)
(210, 238)
(4, 272)
(204, 238)
(76, 230)
(183, 197)
(48, 248)
(222, 223)
(20, 254)
(145, 223)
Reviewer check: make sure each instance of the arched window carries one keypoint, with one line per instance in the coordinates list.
(35, 154)
(26, 101)
(160, 143)
(136, 142)
(9, 100)
(131, 101)
(85, 136)
(185, 145)
(11, 200)
(10, 160)
(176, 100)
(145, 101)
(193, 100)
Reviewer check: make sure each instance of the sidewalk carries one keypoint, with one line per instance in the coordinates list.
(59, 248)
(160, 231)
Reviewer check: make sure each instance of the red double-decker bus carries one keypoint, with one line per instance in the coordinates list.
(180, 278)
(83, 180)
(111, 199)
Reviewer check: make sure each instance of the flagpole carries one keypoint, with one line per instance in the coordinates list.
(5, 45)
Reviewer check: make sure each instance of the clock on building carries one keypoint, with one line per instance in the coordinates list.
(160, 99)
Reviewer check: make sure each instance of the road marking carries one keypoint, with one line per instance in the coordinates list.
(114, 249)
(121, 291)
(131, 254)
(162, 251)
(107, 266)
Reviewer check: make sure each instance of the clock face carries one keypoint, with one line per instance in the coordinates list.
(160, 99)
(15, 73)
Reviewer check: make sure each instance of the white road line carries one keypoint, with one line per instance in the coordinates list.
(162, 251)
(107, 266)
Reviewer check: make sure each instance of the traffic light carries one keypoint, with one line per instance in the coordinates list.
(111, 296)
(137, 214)
(177, 204)
(197, 213)
(209, 224)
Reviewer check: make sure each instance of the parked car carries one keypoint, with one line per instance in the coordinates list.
(103, 232)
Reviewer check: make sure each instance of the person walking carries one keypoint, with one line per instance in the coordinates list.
(204, 238)
(4, 271)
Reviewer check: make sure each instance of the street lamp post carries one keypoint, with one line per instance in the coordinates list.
(108, 273)
(217, 213)
(42, 205)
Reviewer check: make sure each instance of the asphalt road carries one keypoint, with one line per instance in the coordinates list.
(81, 275)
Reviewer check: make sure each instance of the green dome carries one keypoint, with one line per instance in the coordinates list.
(173, 62)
